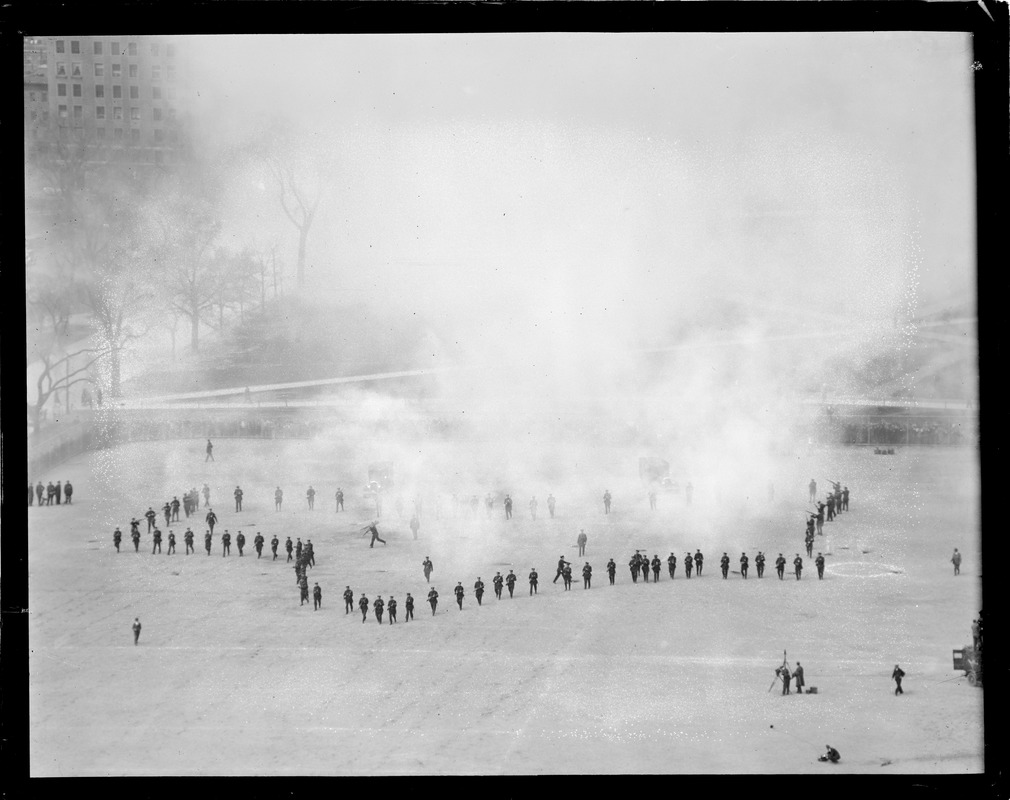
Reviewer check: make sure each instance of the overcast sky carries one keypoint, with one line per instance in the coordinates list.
(608, 183)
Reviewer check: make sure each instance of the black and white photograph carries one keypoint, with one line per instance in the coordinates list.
(602, 392)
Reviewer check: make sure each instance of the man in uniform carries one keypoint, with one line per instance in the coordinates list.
(606, 501)
(671, 565)
(699, 562)
(238, 498)
(582, 542)
(157, 542)
(379, 605)
(175, 508)
(167, 511)
(207, 539)
(798, 565)
(566, 576)
(633, 566)
(391, 608)
(534, 581)
(136, 540)
(587, 576)
(611, 571)
(136, 630)
(187, 537)
(363, 605)
(784, 673)
(171, 543)
(310, 495)
(240, 541)
(550, 505)
(956, 561)
(508, 506)
(820, 518)
(845, 498)
(317, 597)
(68, 490)
(298, 550)
(478, 589)
(348, 600)
(808, 542)
(759, 562)
(210, 452)
(278, 498)
(819, 561)
(258, 544)
(225, 543)
(497, 582)
(39, 491)
(458, 591)
(206, 495)
(831, 507)
(510, 581)
(428, 567)
(211, 520)
(688, 565)
(798, 675)
(273, 546)
(724, 565)
(150, 515)
(51, 494)
(310, 553)
(744, 564)
(561, 568)
(433, 600)
(896, 676)
(374, 530)
(780, 566)
(813, 490)
(415, 524)
(340, 499)
(657, 566)
(59, 491)
(117, 537)
(643, 565)
(408, 605)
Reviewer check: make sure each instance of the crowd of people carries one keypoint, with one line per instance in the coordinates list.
(49, 494)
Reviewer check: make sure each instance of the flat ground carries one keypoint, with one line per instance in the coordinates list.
(233, 677)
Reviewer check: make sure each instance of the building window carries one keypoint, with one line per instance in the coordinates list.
(100, 132)
(99, 69)
(132, 48)
(98, 48)
(134, 113)
(156, 92)
(43, 59)
(159, 135)
(117, 70)
(157, 115)
(77, 90)
(114, 49)
(62, 110)
(171, 72)
(61, 90)
(75, 48)
(99, 90)
(170, 50)
(171, 115)
(99, 112)
(61, 69)
(135, 135)
(117, 91)
(155, 49)
(60, 46)
(156, 72)
(134, 92)
(117, 112)
(76, 71)
(117, 133)
(78, 112)
(133, 70)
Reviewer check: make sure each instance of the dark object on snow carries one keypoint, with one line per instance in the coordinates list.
(969, 660)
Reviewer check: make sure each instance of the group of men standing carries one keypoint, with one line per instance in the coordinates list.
(50, 493)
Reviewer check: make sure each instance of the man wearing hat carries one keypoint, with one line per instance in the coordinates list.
(896, 676)
(433, 600)
(363, 605)
(478, 589)
(561, 568)
(534, 578)
(348, 600)
(498, 582)
(699, 562)
(798, 677)
(510, 581)
(379, 605)
(136, 629)
(587, 576)
(582, 542)
(408, 604)
(317, 597)
(458, 591)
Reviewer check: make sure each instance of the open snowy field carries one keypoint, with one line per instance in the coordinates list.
(233, 677)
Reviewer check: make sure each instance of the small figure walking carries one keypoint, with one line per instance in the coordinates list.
(374, 530)
(317, 597)
(408, 604)
(415, 524)
(433, 600)
(210, 452)
(363, 605)
(587, 576)
(310, 495)
(348, 600)
(956, 561)
(136, 630)
(534, 581)
(582, 542)
(896, 676)
(428, 567)
(606, 503)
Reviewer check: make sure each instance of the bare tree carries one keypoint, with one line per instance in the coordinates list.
(298, 201)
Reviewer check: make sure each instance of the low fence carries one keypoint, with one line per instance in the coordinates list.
(909, 430)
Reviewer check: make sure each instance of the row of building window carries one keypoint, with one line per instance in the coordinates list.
(114, 48)
(117, 70)
(117, 113)
(117, 92)
(118, 134)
